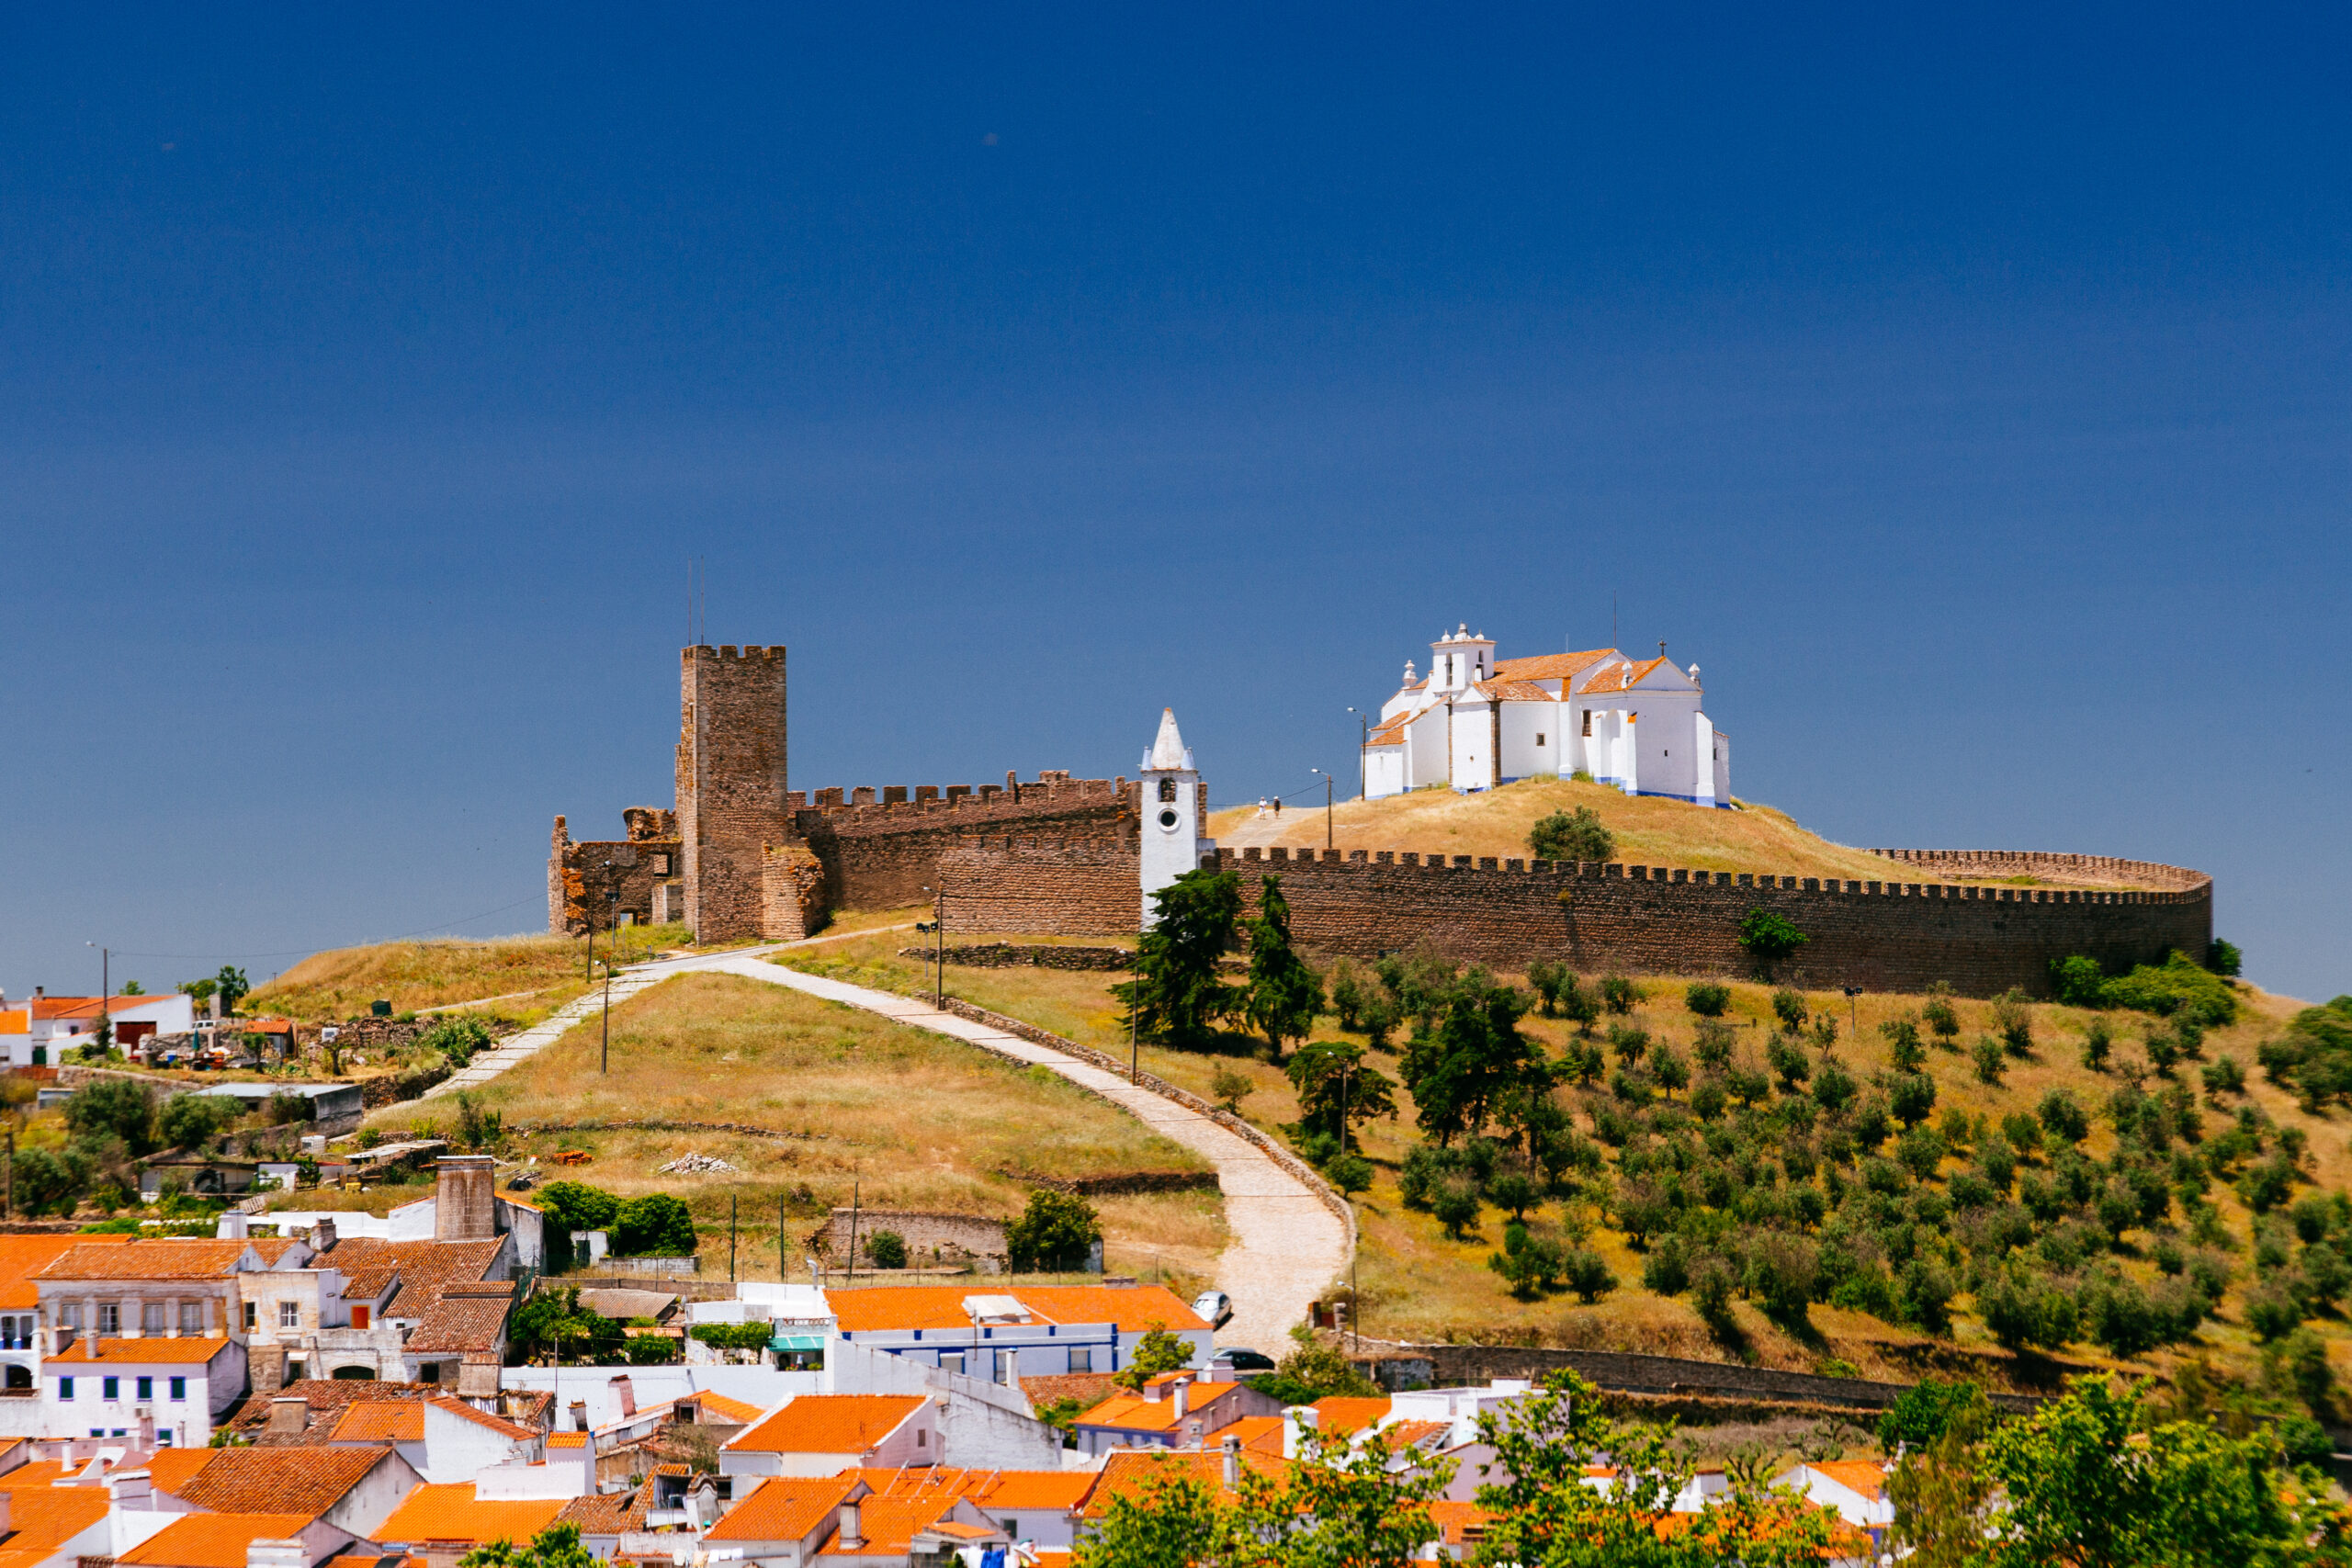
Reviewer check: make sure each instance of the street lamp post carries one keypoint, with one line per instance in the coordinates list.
(1363, 739)
(1327, 841)
(104, 984)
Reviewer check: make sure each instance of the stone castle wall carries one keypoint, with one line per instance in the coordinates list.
(585, 874)
(1884, 936)
(882, 853)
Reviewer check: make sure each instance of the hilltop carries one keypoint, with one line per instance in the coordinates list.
(1649, 830)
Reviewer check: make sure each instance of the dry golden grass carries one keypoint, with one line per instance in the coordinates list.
(1418, 1284)
(912, 1119)
(533, 975)
(1649, 830)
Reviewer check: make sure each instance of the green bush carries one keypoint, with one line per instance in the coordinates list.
(2178, 986)
(1706, 999)
(651, 1351)
(1768, 938)
(1057, 1231)
(576, 1206)
(1577, 835)
(886, 1250)
(734, 1335)
(656, 1225)
(1788, 1005)
(459, 1037)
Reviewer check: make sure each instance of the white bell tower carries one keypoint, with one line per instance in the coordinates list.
(1170, 828)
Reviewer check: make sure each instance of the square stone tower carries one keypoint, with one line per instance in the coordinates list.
(730, 783)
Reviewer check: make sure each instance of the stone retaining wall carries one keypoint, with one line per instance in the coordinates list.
(1451, 1366)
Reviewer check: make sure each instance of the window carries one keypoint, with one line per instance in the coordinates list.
(151, 1318)
(65, 1389)
(179, 1391)
(296, 1371)
(289, 1314)
(163, 1439)
(70, 1317)
(1168, 789)
(1082, 1360)
(661, 865)
(253, 1312)
(923, 1438)
(951, 1361)
(111, 1388)
(359, 1315)
(1587, 721)
(1538, 737)
(146, 1390)
(191, 1317)
(110, 1317)
(98, 1431)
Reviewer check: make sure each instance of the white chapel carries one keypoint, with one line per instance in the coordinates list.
(1475, 721)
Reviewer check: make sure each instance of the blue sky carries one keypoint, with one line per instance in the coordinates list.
(1965, 393)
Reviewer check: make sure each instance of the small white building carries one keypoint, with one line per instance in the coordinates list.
(35, 1031)
(1476, 722)
(169, 1391)
(1170, 829)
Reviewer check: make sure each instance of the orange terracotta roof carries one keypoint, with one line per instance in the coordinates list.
(888, 1524)
(567, 1439)
(452, 1512)
(1134, 1413)
(425, 1268)
(168, 1470)
(1519, 691)
(273, 1248)
(1859, 1475)
(468, 1316)
(164, 1258)
(1616, 675)
(784, 1508)
(1550, 666)
(22, 1256)
(258, 1480)
(43, 1518)
(1129, 1473)
(1390, 731)
(1006, 1489)
(138, 1352)
(726, 1409)
(613, 1513)
(87, 1007)
(829, 1424)
(1133, 1308)
(383, 1421)
(1408, 1433)
(212, 1541)
(1337, 1417)
(1458, 1523)
(18, 1022)
(48, 1473)
(326, 1398)
(1258, 1434)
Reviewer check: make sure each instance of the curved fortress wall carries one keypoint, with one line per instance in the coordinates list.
(1882, 936)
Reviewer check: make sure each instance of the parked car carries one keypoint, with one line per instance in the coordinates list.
(1240, 1361)
(1214, 1308)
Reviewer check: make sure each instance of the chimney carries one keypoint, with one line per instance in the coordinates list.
(1232, 1462)
(851, 1538)
(277, 1554)
(134, 1489)
(627, 1392)
(322, 1234)
(579, 1416)
(1183, 1396)
(288, 1415)
(464, 1206)
(146, 1429)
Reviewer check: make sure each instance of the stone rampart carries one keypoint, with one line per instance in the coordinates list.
(883, 853)
(1881, 935)
(584, 876)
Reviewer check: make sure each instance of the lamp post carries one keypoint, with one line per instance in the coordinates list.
(1327, 839)
(939, 945)
(1364, 740)
(1854, 1014)
(104, 985)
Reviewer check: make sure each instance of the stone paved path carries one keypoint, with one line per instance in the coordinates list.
(1286, 1248)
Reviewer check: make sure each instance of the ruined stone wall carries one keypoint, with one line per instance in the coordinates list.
(582, 875)
(731, 777)
(792, 893)
(1884, 936)
(881, 854)
(948, 1238)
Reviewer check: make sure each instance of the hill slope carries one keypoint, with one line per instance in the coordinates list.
(1649, 830)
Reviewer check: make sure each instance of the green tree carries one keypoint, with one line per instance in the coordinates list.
(112, 1107)
(1170, 1521)
(553, 1323)
(1284, 996)
(1177, 995)
(191, 1121)
(1577, 835)
(1338, 1505)
(131, 989)
(1158, 1351)
(656, 1225)
(576, 1206)
(1769, 939)
(231, 986)
(49, 1182)
(1329, 1078)
(457, 1039)
(1056, 1231)
(557, 1546)
(1940, 1487)
(1706, 998)
(1457, 1075)
(2090, 1483)
(1230, 1087)
(886, 1250)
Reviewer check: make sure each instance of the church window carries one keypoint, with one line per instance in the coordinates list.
(1538, 737)
(1587, 722)
(1168, 789)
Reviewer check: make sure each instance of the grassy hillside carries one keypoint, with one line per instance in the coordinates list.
(1421, 1282)
(1649, 830)
(915, 1121)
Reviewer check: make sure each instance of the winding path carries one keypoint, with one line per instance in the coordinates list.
(1286, 1247)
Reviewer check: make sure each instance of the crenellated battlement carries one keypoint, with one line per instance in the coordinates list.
(727, 653)
(2043, 865)
(1051, 788)
(2192, 886)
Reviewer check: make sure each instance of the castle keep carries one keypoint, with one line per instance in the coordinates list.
(741, 855)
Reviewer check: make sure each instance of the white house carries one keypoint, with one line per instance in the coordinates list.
(1475, 721)
(166, 1393)
(1855, 1488)
(35, 1030)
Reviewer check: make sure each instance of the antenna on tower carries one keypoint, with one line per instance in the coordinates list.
(1612, 620)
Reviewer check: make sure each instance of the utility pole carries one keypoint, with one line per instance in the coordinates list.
(852, 1232)
(1326, 807)
(1364, 740)
(104, 985)
(730, 1238)
(1854, 1013)
(783, 1255)
(939, 947)
(604, 1049)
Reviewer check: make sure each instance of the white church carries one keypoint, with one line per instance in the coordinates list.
(1475, 721)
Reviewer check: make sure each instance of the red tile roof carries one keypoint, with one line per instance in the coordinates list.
(1130, 1473)
(211, 1541)
(784, 1508)
(1257, 1434)
(425, 1268)
(829, 1424)
(258, 1480)
(726, 1409)
(168, 1258)
(383, 1421)
(453, 1513)
(138, 1352)
(1337, 1417)
(1133, 1308)
(1550, 666)
(168, 1470)
(22, 1256)
(468, 1316)
(886, 1526)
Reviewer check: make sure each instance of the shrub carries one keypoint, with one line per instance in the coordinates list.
(1912, 1098)
(2098, 1042)
(1991, 1060)
(191, 1121)
(1711, 1293)
(1834, 1088)
(1920, 1414)
(2224, 958)
(1455, 1204)
(1788, 1005)
(111, 1107)
(1530, 1265)
(2177, 986)
(1057, 1231)
(1782, 1272)
(1922, 1150)
(2078, 982)
(656, 1225)
(1230, 1089)
(1707, 998)
(1350, 994)
(1709, 1100)
(1669, 1069)
(1666, 1268)
(1923, 1295)
(1902, 1037)
(2273, 1313)
(886, 1250)
(2013, 1018)
(1630, 1040)
(458, 1038)
(1941, 1017)
(1711, 1042)
(1792, 1066)
(576, 1206)
(2064, 1116)
(1588, 1275)
(1768, 938)
(1577, 835)
(651, 1351)
(1618, 994)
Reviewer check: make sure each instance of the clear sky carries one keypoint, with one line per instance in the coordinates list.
(1965, 390)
